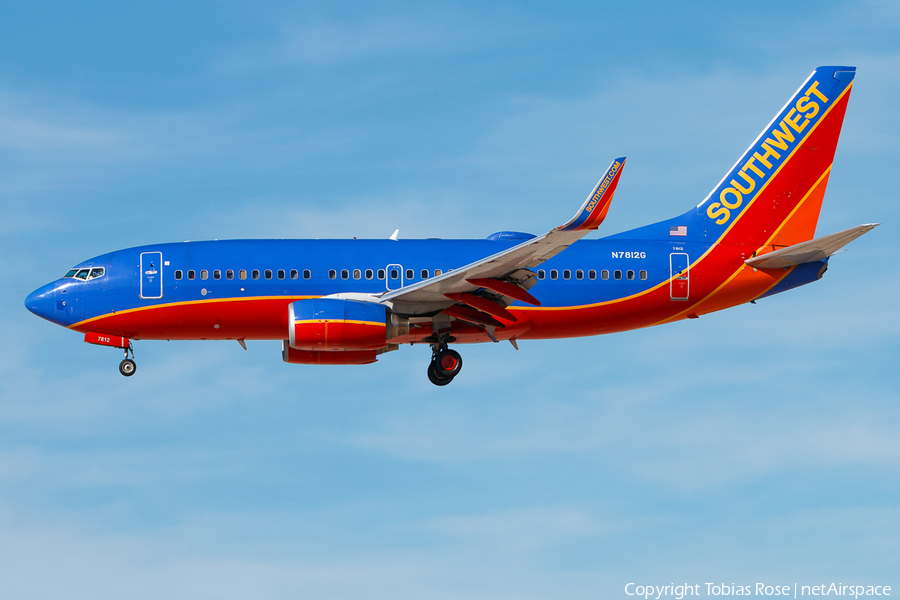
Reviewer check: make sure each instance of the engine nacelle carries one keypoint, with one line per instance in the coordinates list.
(332, 324)
(316, 357)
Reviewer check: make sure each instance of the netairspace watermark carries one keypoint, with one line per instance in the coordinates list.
(686, 590)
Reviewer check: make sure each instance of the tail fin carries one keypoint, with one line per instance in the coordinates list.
(773, 194)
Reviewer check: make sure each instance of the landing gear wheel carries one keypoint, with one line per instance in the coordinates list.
(127, 367)
(437, 378)
(448, 362)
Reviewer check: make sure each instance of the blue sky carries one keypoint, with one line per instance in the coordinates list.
(758, 444)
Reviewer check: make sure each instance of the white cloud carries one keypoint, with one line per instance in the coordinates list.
(328, 42)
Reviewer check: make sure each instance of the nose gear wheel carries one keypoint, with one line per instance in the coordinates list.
(128, 367)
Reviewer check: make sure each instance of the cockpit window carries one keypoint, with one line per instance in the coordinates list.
(85, 274)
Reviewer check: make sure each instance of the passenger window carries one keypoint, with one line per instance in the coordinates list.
(306, 274)
(617, 274)
(424, 273)
(630, 274)
(178, 275)
(95, 273)
(541, 273)
(380, 273)
(345, 274)
(229, 274)
(410, 274)
(191, 274)
(204, 274)
(357, 274)
(332, 274)
(280, 273)
(254, 273)
(268, 274)
(553, 274)
(592, 274)
(242, 274)
(579, 274)
(604, 274)
(437, 272)
(295, 274)
(395, 273)
(567, 274)
(217, 274)
(82, 274)
(370, 273)
(643, 274)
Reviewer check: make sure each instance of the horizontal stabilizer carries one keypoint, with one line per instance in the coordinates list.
(811, 251)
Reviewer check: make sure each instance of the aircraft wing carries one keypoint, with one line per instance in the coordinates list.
(500, 278)
(811, 251)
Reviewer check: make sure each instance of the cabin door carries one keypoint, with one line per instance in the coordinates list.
(679, 276)
(151, 275)
(393, 277)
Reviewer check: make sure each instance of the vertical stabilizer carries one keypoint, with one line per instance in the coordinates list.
(774, 192)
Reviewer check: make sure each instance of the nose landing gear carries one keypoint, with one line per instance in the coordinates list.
(445, 365)
(128, 367)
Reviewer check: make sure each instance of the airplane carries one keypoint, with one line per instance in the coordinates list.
(346, 302)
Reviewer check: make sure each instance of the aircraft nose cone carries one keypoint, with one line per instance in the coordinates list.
(41, 300)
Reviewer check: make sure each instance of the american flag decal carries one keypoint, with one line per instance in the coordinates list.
(679, 230)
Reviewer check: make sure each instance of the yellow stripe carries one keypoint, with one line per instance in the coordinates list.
(596, 304)
(781, 166)
(582, 306)
(379, 324)
(741, 268)
(796, 208)
(772, 178)
(714, 244)
(187, 303)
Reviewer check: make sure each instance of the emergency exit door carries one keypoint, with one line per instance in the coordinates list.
(679, 276)
(393, 277)
(151, 275)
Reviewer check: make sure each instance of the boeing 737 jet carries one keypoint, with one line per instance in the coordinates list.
(349, 301)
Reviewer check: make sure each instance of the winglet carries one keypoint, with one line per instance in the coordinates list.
(594, 209)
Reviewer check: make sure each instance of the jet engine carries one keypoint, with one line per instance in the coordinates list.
(335, 324)
(345, 357)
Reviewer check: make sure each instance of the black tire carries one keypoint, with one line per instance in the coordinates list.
(127, 367)
(448, 363)
(437, 378)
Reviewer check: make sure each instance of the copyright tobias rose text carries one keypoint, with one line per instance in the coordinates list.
(678, 592)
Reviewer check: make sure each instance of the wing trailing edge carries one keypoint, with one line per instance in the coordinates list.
(497, 274)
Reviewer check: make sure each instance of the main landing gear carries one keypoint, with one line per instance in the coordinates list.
(445, 364)
(127, 367)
